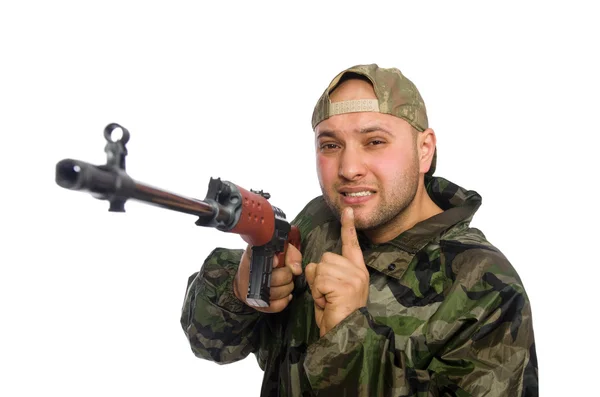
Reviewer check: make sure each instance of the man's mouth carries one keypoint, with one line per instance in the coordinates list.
(358, 194)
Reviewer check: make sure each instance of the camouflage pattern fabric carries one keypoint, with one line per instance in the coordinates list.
(447, 315)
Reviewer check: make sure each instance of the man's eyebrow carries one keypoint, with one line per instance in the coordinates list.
(375, 128)
(326, 134)
(364, 130)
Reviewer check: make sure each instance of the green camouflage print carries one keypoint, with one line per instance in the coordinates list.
(447, 315)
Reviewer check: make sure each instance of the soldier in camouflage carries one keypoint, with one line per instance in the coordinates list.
(393, 294)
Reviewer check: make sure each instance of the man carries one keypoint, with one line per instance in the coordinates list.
(393, 294)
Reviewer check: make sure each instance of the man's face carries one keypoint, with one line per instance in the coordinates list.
(366, 160)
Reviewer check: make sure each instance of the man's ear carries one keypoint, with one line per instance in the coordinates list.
(426, 142)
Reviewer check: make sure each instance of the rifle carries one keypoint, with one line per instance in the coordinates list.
(227, 207)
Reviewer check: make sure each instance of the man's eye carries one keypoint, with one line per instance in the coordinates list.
(328, 146)
(376, 142)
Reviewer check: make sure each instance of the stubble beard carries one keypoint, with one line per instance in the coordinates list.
(391, 207)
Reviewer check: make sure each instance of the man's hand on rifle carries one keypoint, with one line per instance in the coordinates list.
(282, 279)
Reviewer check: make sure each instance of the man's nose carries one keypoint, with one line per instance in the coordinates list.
(352, 165)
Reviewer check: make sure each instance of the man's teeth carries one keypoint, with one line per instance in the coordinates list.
(358, 194)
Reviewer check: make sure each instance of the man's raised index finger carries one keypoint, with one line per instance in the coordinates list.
(350, 246)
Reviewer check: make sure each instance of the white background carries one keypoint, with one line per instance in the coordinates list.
(90, 300)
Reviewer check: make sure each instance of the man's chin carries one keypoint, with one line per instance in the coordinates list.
(363, 216)
(363, 224)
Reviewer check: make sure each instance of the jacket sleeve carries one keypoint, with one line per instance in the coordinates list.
(218, 326)
(478, 342)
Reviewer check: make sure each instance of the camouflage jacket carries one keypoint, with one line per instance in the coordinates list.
(447, 315)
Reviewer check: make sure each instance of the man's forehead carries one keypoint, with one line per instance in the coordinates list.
(359, 123)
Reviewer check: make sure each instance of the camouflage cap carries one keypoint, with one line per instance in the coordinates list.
(396, 95)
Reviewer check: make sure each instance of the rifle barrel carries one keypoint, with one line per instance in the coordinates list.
(170, 201)
(108, 184)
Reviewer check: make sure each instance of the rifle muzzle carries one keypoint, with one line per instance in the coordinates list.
(82, 176)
